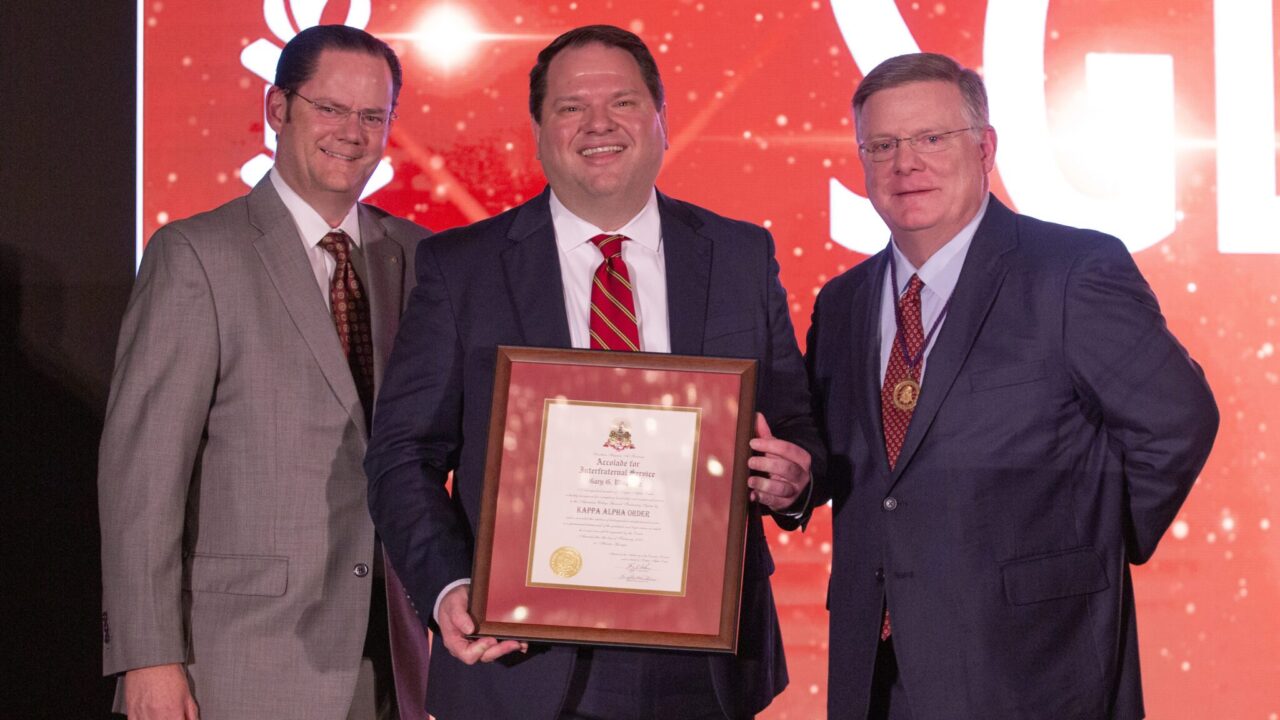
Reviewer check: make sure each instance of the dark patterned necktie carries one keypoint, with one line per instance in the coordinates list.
(901, 380)
(350, 307)
(349, 304)
(901, 386)
(613, 323)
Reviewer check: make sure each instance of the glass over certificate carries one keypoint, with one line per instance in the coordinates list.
(614, 515)
(615, 499)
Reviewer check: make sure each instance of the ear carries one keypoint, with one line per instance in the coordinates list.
(277, 107)
(988, 148)
(537, 134)
(666, 134)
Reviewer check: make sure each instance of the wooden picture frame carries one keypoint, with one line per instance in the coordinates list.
(615, 499)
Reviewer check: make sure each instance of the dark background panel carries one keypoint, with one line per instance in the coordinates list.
(66, 266)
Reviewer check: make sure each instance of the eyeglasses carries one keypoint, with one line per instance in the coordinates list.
(882, 149)
(328, 114)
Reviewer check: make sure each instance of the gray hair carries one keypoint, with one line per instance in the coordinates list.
(926, 67)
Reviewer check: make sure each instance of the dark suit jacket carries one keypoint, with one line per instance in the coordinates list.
(498, 282)
(1059, 429)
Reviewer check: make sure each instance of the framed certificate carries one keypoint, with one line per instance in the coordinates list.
(615, 499)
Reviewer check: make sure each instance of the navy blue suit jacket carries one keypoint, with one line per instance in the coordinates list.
(1059, 428)
(497, 282)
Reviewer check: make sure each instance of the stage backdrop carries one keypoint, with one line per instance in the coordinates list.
(1155, 121)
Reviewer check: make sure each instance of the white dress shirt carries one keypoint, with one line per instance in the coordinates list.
(939, 275)
(642, 252)
(579, 258)
(311, 230)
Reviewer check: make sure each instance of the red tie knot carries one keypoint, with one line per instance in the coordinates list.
(610, 245)
(337, 244)
(914, 286)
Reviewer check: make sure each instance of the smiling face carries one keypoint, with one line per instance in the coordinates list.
(328, 163)
(925, 199)
(600, 136)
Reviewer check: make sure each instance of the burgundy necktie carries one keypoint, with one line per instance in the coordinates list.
(901, 387)
(350, 308)
(349, 304)
(613, 323)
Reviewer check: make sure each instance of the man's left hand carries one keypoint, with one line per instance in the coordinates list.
(780, 470)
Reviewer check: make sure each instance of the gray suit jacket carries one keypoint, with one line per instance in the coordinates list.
(235, 534)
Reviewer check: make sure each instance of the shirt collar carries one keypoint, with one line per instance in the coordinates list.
(645, 229)
(941, 271)
(310, 225)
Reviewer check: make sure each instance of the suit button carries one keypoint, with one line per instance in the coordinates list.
(890, 503)
(360, 570)
(879, 574)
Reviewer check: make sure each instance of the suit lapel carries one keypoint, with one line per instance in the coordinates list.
(286, 264)
(980, 280)
(384, 271)
(687, 257)
(531, 265)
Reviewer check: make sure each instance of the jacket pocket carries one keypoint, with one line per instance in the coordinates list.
(1049, 577)
(723, 325)
(262, 575)
(1007, 375)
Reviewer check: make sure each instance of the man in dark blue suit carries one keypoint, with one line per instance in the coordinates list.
(701, 285)
(1010, 425)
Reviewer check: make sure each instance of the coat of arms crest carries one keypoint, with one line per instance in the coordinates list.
(620, 438)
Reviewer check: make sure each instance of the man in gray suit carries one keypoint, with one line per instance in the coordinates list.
(239, 565)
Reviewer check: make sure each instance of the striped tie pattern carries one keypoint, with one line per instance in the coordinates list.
(613, 323)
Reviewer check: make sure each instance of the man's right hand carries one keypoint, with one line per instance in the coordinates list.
(455, 624)
(159, 692)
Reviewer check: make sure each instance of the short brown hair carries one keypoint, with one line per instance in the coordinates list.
(606, 35)
(300, 56)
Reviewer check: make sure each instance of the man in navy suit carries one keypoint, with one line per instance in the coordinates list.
(1010, 425)
(702, 285)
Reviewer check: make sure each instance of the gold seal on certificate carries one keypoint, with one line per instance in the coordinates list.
(619, 473)
(566, 562)
(612, 508)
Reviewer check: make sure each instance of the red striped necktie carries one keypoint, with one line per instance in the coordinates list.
(613, 323)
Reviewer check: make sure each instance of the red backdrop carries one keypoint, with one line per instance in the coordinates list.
(1130, 117)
